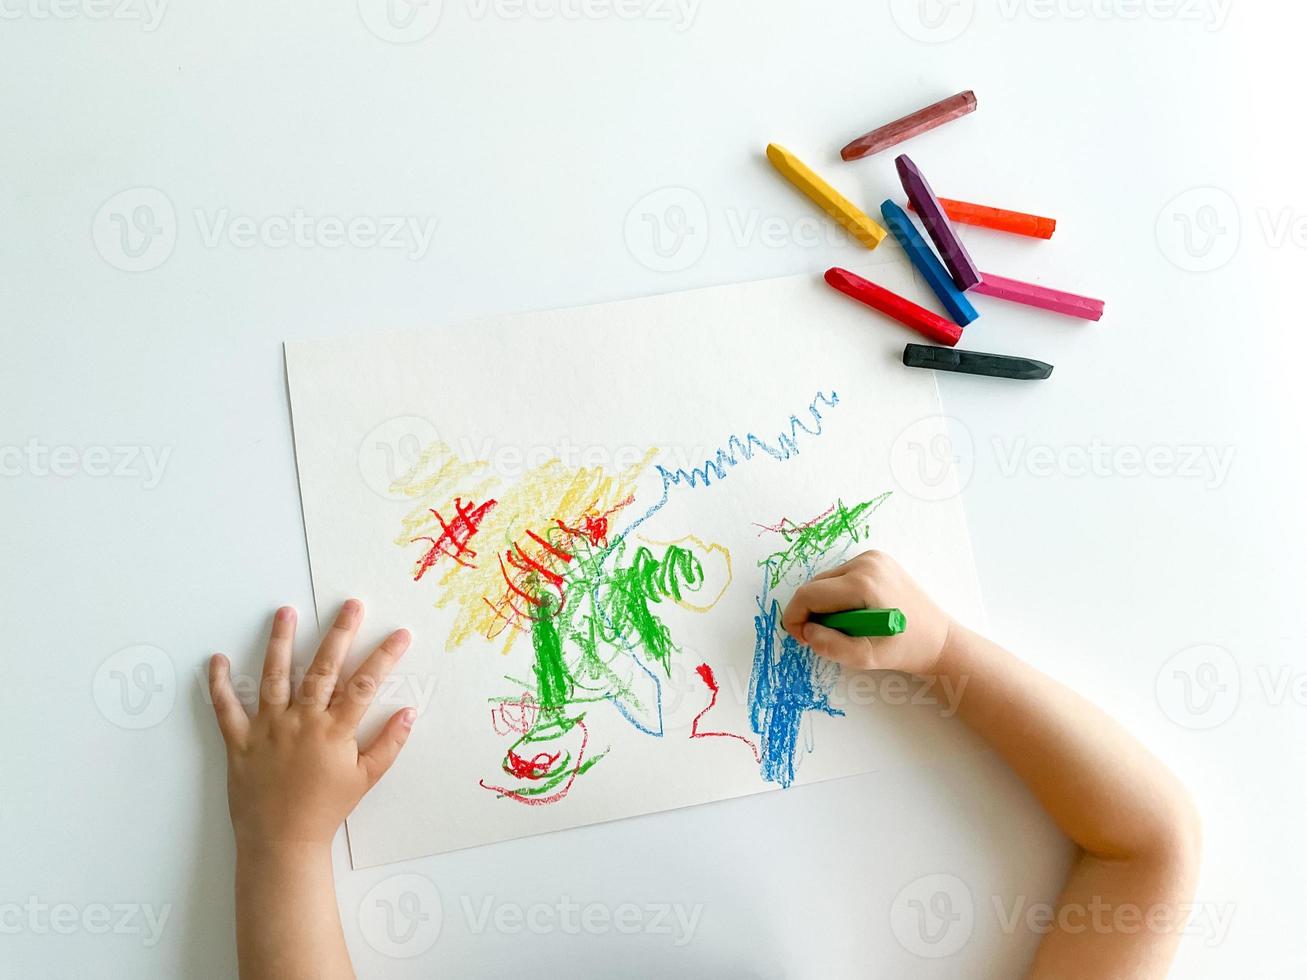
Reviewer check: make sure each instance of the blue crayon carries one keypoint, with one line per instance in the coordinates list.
(928, 264)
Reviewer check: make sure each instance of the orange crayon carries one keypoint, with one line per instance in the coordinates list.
(1015, 222)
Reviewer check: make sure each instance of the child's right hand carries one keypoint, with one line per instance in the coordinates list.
(873, 580)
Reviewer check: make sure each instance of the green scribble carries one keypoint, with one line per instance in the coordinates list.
(806, 543)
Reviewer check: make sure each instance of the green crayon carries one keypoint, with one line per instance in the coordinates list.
(864, 622)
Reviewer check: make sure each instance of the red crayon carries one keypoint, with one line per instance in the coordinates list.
(908, 313)
(921, 121)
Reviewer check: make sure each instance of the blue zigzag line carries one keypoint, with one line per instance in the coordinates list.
(737, 450)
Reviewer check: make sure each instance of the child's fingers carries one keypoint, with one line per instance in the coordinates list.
(353, 700)
(320, 680)
(851, 651)
(274, 687)
(378, 757)
(233, 722)
(836, 594)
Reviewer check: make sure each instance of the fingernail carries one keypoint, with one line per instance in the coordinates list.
(285, 613)
(408, 716)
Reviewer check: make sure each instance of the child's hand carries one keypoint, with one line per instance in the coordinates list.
(295, 770)
(873, 580)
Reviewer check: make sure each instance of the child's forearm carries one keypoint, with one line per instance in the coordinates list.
(287, 921)
(1105, 790)
(1122, 910)
(1124, 904)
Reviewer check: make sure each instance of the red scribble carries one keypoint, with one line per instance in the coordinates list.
(516, 794)
(528, 573)
(457, 532)
(705, 673)
(533, 562)
(536, 767)
(787, 526)
(594, 527)
(515, 717)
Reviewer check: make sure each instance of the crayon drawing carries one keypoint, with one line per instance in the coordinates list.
(551, 560)
(591, 521)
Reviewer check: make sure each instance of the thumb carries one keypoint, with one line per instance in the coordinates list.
(379, 756)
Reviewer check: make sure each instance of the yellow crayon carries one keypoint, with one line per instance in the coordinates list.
(857, 224)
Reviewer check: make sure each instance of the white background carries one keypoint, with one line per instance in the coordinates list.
(531, 139)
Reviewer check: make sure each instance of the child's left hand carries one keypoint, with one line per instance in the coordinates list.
(295, 770)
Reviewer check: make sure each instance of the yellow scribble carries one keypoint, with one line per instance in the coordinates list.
(515, 539)
(708, 549)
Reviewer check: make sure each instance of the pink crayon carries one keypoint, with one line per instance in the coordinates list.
(1015, 291)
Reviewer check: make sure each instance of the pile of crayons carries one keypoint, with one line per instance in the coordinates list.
(948, 268)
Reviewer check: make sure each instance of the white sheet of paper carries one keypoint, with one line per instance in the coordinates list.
(597, 388)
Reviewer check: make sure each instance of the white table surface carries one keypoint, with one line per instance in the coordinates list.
(534, 136)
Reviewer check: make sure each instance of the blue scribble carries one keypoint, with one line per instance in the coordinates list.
(785, 446)
(784, 686)
(737, 449)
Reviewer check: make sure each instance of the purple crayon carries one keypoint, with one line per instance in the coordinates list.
(951, 250)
